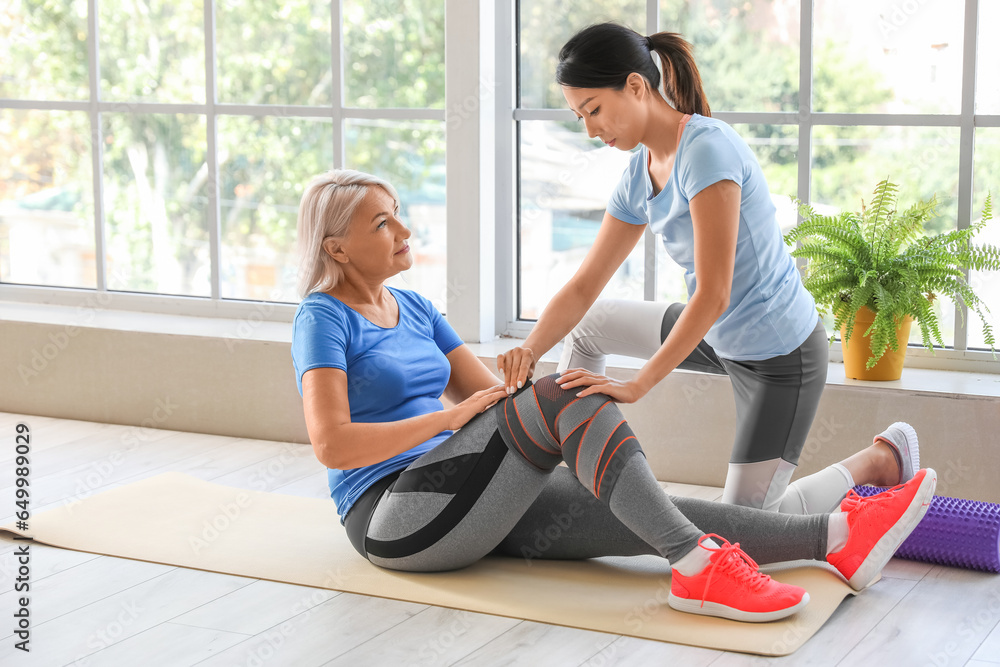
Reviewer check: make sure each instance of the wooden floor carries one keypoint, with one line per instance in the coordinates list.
(90, 610)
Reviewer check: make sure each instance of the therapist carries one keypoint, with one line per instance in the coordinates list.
(694, 181)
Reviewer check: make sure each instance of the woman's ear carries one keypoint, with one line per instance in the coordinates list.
(636, 84)
(333, 248)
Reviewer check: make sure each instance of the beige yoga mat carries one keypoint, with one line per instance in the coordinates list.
(177, 519)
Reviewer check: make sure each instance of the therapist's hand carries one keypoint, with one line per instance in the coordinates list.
(622, 392)
(516, 366)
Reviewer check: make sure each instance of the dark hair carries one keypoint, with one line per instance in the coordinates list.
(603, 56)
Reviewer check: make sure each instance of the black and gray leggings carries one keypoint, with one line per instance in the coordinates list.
(494, 486)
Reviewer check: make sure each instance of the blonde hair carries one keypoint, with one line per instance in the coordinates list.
(326, 209)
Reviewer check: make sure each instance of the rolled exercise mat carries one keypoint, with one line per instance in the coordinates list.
(961, 533)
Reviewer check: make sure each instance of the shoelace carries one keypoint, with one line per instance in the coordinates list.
(852, 499)
(735, 561)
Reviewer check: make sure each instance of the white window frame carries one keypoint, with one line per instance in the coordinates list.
(957, 358)
(480, 119)
(213, 305)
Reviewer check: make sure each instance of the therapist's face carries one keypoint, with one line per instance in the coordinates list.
(616, 117)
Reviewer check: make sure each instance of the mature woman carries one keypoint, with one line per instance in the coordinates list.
(421, 487)
(694, 181)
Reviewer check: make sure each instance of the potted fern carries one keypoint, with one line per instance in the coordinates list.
(877, 271)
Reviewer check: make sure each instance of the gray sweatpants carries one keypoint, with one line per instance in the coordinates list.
(776, 399)
(496, 484)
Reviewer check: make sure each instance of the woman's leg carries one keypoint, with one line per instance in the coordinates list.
(456, 503)
(776, 401)
(452, 505)
(549, 424)
(630, 328)
(893, 458)
(567, 523)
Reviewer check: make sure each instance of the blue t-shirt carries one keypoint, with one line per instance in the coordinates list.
(392, 373)
(770, 312)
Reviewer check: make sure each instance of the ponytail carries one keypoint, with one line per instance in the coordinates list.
(681, 80)
(604, 55)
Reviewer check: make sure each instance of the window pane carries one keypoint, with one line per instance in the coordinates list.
(265, 165)
(152, 51)
(987, 83)
(46, 199)
(273, 53)
(848, 162)
(393, 53)
(986, 180)
(410, 155)
(43, 48)
(885, 56)
(747, 53)
(545, 25)
(155, 180)
(566, 179)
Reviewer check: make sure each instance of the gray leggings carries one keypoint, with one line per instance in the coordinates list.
(776, 399)
(494, 486)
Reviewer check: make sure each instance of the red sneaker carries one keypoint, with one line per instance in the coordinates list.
(878, 525)
(731, 586)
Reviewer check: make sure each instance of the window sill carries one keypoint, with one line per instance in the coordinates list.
(921, 380)
(255, 328)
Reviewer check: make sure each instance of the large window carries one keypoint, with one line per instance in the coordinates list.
(832, 96)
(158, 150)
(161, 148)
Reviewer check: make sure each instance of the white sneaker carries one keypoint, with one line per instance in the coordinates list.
(903, 440)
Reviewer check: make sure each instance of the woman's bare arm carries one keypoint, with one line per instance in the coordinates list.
(340, 443)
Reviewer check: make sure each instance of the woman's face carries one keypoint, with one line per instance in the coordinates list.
(614, 116)
(376, 241)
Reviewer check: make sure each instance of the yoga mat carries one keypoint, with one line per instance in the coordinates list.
(177, 519)
(956, 532)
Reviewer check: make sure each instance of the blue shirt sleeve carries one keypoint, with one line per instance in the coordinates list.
(445, 336)
(625, 201)
(319, 339)
(709, 158)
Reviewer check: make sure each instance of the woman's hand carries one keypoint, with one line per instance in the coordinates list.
(622, 392)
(459, 415)
(516, 366)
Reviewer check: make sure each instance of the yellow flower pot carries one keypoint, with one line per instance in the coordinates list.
(858, 350)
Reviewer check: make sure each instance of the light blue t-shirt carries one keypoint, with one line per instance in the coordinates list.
(392, 373)
(770, 312)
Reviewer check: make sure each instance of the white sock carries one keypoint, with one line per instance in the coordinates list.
(695, 560)
(819, 493)
(837, 533)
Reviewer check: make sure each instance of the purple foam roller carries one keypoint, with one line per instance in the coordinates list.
(956, 532)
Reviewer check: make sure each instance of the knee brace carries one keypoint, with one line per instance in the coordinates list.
(547, 424)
